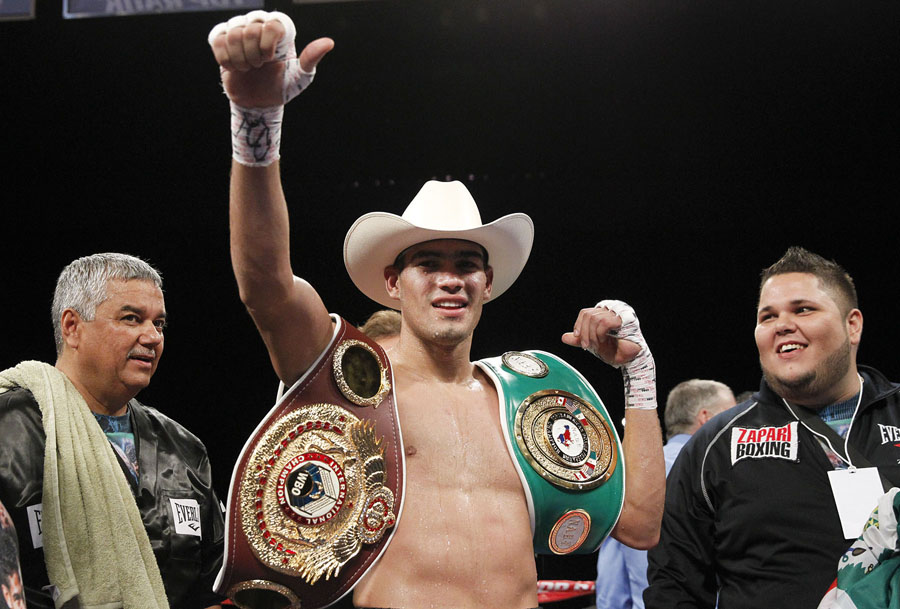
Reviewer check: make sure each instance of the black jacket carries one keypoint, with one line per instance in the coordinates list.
(756, 520)
(172, 464)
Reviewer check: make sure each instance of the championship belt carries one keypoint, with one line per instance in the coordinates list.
(564, 447)
(316, 493)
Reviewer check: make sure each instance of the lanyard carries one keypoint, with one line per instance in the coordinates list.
(841, 446)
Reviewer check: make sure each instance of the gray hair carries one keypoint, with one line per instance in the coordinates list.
(82, 285)
(686, 400)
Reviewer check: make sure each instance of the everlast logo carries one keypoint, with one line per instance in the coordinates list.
(764, 443)
(186, 516)
(889, 433)
(36, 524)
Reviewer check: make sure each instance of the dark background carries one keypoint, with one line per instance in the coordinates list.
(666, 150)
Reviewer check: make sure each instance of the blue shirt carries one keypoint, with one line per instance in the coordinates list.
(622, 571)
(121, 437)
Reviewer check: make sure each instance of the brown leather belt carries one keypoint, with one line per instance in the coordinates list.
(316, 493)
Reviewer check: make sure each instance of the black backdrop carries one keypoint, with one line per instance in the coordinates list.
(667, 151)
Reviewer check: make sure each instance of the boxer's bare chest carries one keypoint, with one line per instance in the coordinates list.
(462, 496)
(453, 430)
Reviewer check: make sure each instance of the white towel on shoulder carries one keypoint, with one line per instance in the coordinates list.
(97, 552)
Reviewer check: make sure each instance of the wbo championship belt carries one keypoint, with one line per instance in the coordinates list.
(564, 447)
(317, 491)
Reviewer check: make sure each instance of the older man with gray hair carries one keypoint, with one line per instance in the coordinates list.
(691, 404)
(621, 570)
(111, 499)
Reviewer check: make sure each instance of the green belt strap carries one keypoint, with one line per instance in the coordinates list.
(565, 448)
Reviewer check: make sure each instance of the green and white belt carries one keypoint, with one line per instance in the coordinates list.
(564, 447)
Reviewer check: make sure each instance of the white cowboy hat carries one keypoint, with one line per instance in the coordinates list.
(441, 210)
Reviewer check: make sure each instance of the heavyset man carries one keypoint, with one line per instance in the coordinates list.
(464, 539)
(751, 516)
(126, 517)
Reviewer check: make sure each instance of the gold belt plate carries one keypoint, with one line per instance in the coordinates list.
(565, 440)
(313, 492)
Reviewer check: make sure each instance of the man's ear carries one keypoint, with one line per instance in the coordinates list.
(703, 416)
(70, 325)
(489, 284)
(391, 281)
(855, 326)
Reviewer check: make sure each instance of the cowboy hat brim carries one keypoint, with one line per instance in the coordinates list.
(377, 238)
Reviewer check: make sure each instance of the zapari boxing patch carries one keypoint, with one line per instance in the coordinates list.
(764, 443)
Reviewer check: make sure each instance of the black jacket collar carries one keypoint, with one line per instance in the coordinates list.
(876, 387)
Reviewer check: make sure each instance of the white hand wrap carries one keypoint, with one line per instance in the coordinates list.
(256, 135)
(640, 373)
(256, 132)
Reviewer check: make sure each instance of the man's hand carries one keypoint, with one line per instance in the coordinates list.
(258, 59)
(261, 73)
(596, 330)
(611, 331)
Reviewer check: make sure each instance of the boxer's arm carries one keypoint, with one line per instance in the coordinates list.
(260, 73)
(611, 332)
(287, 311)
(645, 481)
